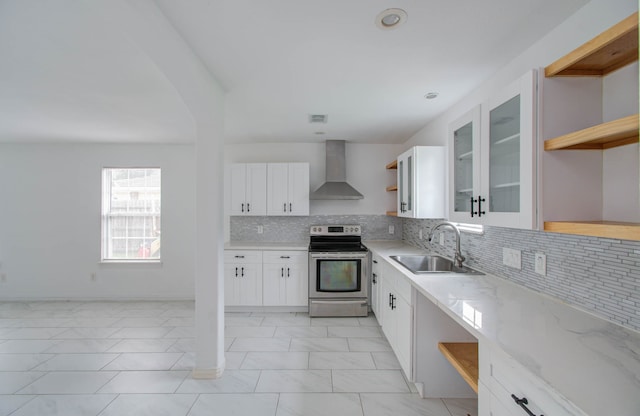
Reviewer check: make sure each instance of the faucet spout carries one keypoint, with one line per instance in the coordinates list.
(459, 258)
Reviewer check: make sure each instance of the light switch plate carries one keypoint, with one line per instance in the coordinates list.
(541, 264)
(512, 258)
(420, 234)
(392, 229)
(260, 229)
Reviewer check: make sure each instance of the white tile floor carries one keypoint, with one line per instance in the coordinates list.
(134, 358)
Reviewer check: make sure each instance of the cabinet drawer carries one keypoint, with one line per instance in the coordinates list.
(242, 256)
(505, 377)
(285, 257)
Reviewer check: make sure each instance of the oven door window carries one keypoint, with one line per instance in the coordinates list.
(338, 275)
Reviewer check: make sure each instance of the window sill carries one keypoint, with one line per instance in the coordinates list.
(130, 263)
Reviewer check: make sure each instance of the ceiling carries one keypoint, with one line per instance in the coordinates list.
(65, 75)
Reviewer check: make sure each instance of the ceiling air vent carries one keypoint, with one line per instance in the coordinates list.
(318, 118)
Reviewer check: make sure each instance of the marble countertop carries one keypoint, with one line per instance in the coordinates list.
(590, 361)
(250, 245)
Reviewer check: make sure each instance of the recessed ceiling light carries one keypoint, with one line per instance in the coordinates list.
(430, 95)
(391, 18)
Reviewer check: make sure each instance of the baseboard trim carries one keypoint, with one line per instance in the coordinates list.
(207, 374)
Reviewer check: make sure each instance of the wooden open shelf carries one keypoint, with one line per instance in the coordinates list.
(392, 165)
(392, 188)
(610, 50)
(603, 136)
(464, 358)
(606, 229)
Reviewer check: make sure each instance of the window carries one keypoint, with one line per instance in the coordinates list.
(131, 214)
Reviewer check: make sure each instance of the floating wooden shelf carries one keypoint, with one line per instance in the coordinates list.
(603, 136)
(464, 358)
(393, 165)
(610, 50)
(606, 229)
(391, 188)
(392, 213)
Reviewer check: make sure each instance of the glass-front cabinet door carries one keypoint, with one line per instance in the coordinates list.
(491, 159)
(464, 168)
(508, 155)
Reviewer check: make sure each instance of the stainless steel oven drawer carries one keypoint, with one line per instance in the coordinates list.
(337, 307)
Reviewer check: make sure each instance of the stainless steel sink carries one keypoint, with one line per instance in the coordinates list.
(419, 264)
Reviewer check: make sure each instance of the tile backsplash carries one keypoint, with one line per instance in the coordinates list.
(599, 275)
(296, 229)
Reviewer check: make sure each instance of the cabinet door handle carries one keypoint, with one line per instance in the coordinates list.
(480, 201)
(243, 207)
(236, 272)
(281, 271)
(375, 261)
(248, 207)
(523, 403)
(290, 207)
(393, 302)
(284, 207)
(242, 271)
(288, 272)
(374, 279)
(390, 296)
(473, 201)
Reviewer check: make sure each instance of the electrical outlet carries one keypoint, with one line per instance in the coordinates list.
(260, 229)
(512, 258)
(420, 234)
(392, 229)
(541, 264)
(441, 238)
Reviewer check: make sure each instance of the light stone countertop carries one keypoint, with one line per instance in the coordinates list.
(592, 362)
(250, 245)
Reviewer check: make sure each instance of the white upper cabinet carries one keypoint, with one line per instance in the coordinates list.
(492, 154)
(248, 189)
(421, 182)
(288, 189)
(464, 165)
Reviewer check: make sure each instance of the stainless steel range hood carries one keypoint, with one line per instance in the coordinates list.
(336, 186)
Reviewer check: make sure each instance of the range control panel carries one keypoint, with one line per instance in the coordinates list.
(336, 230)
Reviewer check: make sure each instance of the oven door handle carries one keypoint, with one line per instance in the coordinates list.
(344, 302)
(337, 255)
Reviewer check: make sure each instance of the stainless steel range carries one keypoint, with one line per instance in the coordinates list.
(338, 271)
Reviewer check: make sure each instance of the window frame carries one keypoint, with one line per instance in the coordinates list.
(107, 215)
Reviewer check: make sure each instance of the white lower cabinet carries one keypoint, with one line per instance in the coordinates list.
(242, 277)
(375, 285)
(395, 314)
(285, 281)
(266, 278)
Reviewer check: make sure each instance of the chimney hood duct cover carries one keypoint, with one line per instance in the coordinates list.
(336, 186)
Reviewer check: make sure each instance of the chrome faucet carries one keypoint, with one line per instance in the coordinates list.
(459, 258)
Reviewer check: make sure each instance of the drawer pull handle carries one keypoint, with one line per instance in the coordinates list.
(523, 403)
(239, 257)
(285, 257)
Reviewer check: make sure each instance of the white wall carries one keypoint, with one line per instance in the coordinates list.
(365, 171)
(50, 223)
